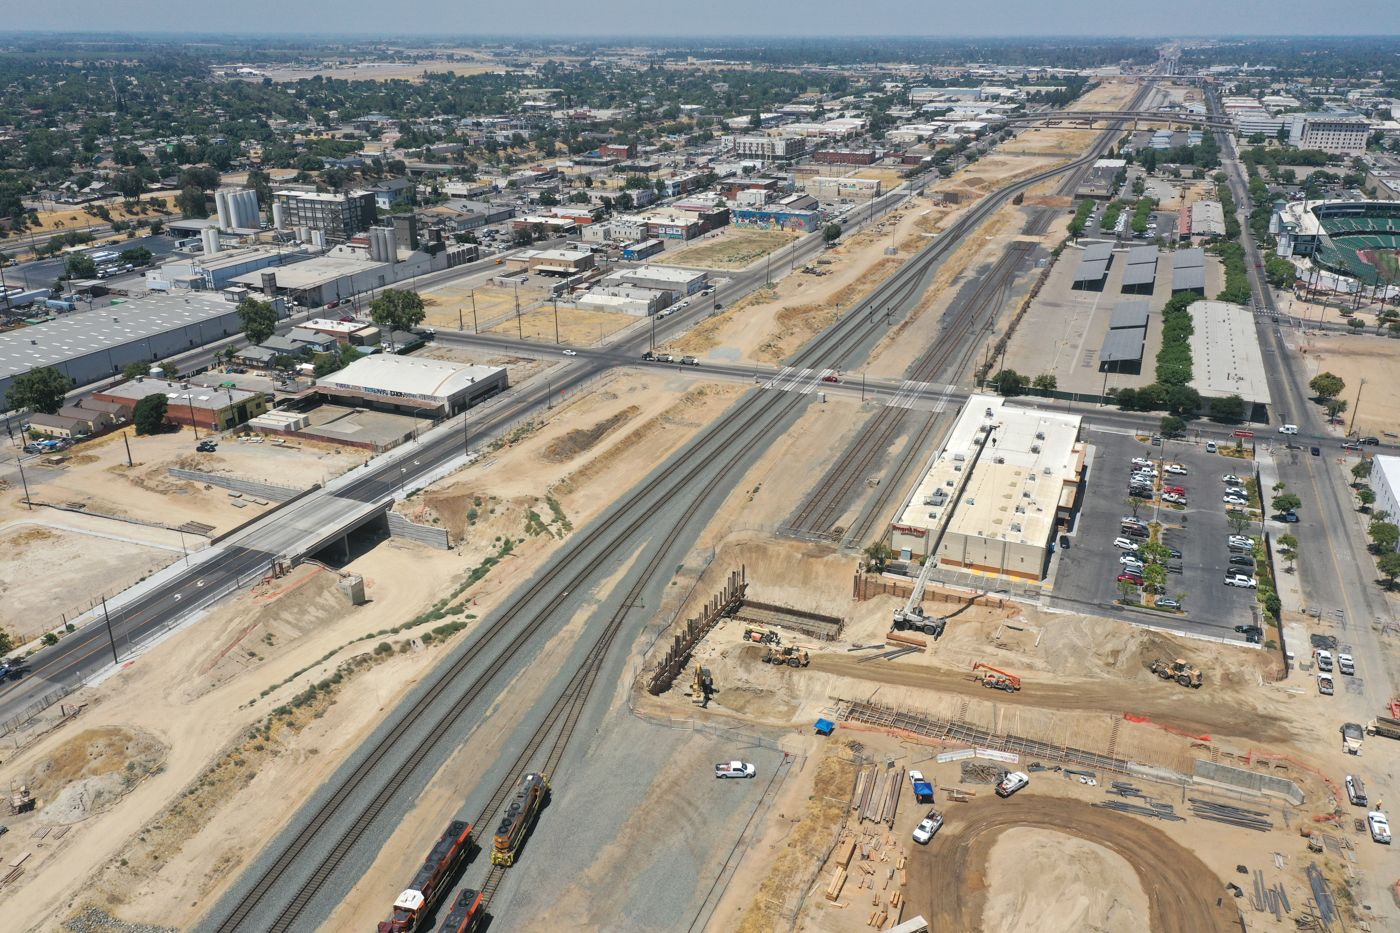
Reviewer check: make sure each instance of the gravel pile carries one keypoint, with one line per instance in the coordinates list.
(92, 920)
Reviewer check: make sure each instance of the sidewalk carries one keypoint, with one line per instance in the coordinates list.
(1290, 592)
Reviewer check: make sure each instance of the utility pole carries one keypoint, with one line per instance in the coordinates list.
(1356, 407)
(129, 461)
(20, 460)
(108, 619)
(556, 320)
(193, 423)
(476, 328)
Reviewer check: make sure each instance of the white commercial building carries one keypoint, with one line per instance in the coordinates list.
(997, 493)
(770, 148)
(1336, 135)
(407, 383)
(1385, 481)
(1225, 355)
(826, 188)
(681, 281)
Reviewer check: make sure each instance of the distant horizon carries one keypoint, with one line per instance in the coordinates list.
(1028, 20)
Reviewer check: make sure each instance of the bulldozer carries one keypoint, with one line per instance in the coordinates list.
(761, 635)
(1179, 671)
(998, 680)
(791, 656)
(702, 687)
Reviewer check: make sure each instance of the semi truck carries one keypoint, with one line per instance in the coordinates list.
(432, 880)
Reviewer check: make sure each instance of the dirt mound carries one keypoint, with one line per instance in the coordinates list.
(1048, 882)
(579, 440)
(92, 771)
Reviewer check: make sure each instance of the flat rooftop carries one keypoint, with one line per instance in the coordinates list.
(658, 274)
(409, 376)
(183, 392)
(310, 273)
(995, 499)
(106, 325)
(1225, 354)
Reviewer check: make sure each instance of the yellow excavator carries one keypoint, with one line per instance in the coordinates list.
(703, 687)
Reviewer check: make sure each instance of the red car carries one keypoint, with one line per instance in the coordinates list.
(1131, 578)
(830, 379)
(1178, 490)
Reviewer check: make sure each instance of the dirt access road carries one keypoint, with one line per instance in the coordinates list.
(948, 878)
(1197, 716)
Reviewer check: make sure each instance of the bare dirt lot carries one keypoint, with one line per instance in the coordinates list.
(484, 306)
(96, 478)
(575, 326)
(1376, 360)
(1110, 95)
(729, 248)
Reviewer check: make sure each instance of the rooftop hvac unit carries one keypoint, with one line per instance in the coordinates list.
(947, 482)
(998, 459)
(970, 501)
(957, 468)
(1020, 508)
(959, 458)
(933, 515)
(1035, 448)
(928, 500)
(1046, 471)
(1040, 435)
(1016, 526)
(1025, 493)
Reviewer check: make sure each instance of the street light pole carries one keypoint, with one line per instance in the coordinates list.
(108, 619)
(476, 328)
(1356, 408)
(23, 481)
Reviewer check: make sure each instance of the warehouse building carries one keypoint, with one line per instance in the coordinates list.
(790, 221)
(847, 156)
(96, 345)
(213, 408)
(1225, 356)
(683, 281)
(1385, 480)
(997, 493)
(1207, 219)
(833, 189)
(215, 271)
(338, 216)
(413, 385)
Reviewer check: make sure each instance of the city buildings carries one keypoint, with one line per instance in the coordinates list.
(338, 216)
(770, 148)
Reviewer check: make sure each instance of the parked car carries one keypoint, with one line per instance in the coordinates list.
(1174, 498)
(1168, 604)
(1126, 544)
(1324, 660)
(1350, 445)
(735, 769)
(1240, 560)
(927, 827)
(1239, 579)
(1175, 490)
(1131, 576)
(1014, 782)
(1140, 492)
(1210, 447)
(1142, 462)
(1380, 827)
(1290, 517)
(1317, 451)
(1231, 479)
(1145, 471)
(1128, 560)
(1064, 542)
(1249, 630)
(1324, 684)
(1234, 500)
(1346, 664)
(1175, 468)
(1370, 441)
(207, 447)
(1173, 553)
(1245, 540)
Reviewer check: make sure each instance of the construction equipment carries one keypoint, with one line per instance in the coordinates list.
(792, 656)
(1179, 671)
(1384, 725)
(998, 680)
(912, 619)
(1351, 738)
(761, 635)
(703, 687)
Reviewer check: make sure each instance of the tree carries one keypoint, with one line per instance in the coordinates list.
(1335, 406)
(259, 319)
(1183, 399)
(1327, 385)
(1127, 399)
(1010, 382)
(149, 414)
(191, 202)
(1127, 590)
(1171, 426)
(1356, 324)
(137, 256)
(1134, 503)
(1384, 535)
(80, 266)
(1286, 502)
(39, 390)
(878, 556)
(831, 234)
(1367, 496)
(1154, 576)
(1045, 382)
(1361, 470)
(133, 370)
(1239, 524)
(1390, 566)
(1289, 544)
(170, 369)
(1154, 552)
(1229, 408)
(398, 309)
(548, 198)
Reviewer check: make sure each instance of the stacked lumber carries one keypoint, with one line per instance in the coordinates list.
(838, 881)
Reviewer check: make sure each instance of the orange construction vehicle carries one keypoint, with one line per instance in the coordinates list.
(998, 680)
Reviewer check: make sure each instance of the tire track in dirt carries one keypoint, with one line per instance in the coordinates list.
(947, 878)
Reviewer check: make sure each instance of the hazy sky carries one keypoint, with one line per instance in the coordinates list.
(1030, 18)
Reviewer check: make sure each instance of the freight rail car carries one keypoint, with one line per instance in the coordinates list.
(519, 814)
(431, 881)
(466, 913)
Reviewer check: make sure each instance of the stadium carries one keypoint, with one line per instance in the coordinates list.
(1359, 239)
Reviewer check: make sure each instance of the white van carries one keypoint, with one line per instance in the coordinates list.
(1288, 429)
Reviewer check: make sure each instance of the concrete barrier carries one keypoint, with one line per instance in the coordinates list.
(401, 527)
(248, 487)
(1210, 772)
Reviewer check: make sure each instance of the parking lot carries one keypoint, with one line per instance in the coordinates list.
(1086, 573)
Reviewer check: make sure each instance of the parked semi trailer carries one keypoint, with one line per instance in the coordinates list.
(466, 913)
(518, 816)
(432, 880)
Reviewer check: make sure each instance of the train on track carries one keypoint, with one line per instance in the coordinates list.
(432, 880)
(519, 814)
(465, 914)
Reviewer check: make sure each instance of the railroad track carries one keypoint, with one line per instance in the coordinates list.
(389, 767)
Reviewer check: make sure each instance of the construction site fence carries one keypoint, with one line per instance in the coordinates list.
(868, 586)
(25, 716)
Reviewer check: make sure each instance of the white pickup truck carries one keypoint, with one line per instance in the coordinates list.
(735, 769)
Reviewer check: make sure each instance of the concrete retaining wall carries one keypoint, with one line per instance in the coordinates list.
(401, 527)
(248, 487)
(1213, 773)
